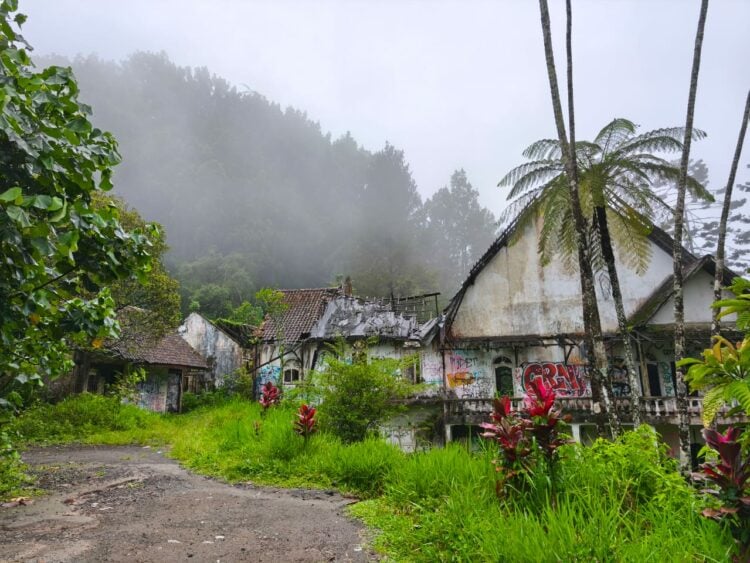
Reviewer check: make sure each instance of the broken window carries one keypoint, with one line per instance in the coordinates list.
(291, 375)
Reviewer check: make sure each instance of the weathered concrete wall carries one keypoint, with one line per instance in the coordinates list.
(515, 296)
(223, 353)
(416, 429)
(698, 297)
(152, 393)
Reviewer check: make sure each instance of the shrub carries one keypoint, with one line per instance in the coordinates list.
(358, 397)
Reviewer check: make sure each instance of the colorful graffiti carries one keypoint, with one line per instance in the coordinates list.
(432, 369)
(566, 380)
(265, 374)
(619, 377)
(462, 369)
(152, 394)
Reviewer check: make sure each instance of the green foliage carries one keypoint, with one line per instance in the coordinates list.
(738, 305)
(457, 230)
(616, 171)
(152, 304)
(79, 417)
(287, 204)
(724, 372)
(246, 314)
(356, 397)
(619, 501)
(125, 387)
(58, 249)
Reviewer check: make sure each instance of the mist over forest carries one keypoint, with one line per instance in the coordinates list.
(253, 195)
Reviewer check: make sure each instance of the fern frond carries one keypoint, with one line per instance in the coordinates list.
(713, 400)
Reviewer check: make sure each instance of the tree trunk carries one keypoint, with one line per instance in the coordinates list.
(679, 211)
(597, 356)
(622, 321)
(716, 325)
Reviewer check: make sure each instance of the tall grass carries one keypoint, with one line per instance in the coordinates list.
(621, 501)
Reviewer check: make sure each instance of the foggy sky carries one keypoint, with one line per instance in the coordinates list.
(454, 84)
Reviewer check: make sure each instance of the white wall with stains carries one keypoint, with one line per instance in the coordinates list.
(223, 353)
(514, 295)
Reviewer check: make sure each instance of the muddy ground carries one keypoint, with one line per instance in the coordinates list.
(133, 504)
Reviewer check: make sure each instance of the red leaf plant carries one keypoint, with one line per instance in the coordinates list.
(539, 403)
(305, 423)
(509, 431)
(729, 477)
(270, 395)
(519, 438)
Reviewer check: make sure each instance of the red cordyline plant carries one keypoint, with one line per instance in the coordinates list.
(305, 423)
(519, 438)
(270, 395)
(729, 477)
(539, 403)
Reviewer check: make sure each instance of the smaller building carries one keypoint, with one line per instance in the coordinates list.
(226, 347)
(170, 363)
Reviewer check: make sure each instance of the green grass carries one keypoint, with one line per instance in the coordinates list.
(620, 501)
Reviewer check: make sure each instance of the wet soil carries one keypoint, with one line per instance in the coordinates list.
(133, 504)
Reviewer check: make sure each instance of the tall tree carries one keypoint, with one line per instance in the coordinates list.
(615, 173)
(716, 324)
(456, 229)
(597, 355)
(679, 210)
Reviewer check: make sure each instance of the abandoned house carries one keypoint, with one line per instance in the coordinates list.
(227, 348)
(514, 320)
(170, 363)
(293, 344)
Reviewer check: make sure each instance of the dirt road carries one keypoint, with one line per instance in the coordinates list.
(133, 504)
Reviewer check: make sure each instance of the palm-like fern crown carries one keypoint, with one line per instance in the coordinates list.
(616, 171)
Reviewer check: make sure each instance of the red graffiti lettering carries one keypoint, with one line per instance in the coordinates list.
(567, 381)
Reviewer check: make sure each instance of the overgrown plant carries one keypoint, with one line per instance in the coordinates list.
(270, 395)
(724, 371)
(729, 479)
(528, 444)
(355, 398)
(305, 423)
(125, 387)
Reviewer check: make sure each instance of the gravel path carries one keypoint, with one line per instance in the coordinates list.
(132, 504)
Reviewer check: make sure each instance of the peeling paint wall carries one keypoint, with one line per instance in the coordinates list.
(514, 295)
(152, 393)
(223, 353)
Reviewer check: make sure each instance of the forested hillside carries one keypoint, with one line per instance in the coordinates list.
(253, 195)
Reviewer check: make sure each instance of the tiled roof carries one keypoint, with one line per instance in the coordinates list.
(171, 350)
(305, 307)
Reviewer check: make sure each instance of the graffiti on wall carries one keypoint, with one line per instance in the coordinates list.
(566, 380)
(463, 369)
(152, 394)
(432, 369)
(466, 372)
(265, 374)
(665, 370)
(619, 377)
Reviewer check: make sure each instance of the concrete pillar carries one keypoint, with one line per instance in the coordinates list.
(575, 430)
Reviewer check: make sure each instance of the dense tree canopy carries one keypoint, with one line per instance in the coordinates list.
(58, 250)
(252, 195)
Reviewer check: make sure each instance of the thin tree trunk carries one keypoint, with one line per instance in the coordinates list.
(597, 355)
(622, 321)
(679, 211)
(716, 325)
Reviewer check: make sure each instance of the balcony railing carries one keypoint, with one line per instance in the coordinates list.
(653, 408)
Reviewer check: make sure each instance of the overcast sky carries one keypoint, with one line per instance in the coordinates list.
(454, 84)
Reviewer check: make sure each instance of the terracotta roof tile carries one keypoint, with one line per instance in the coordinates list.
(171, 350)
(305, 307)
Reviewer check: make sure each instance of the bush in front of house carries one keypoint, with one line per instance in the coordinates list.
(77, 418)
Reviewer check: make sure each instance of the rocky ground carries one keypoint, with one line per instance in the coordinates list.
(133, 504)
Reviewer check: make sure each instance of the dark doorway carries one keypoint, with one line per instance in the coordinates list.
(654, 381)
(504, 380)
